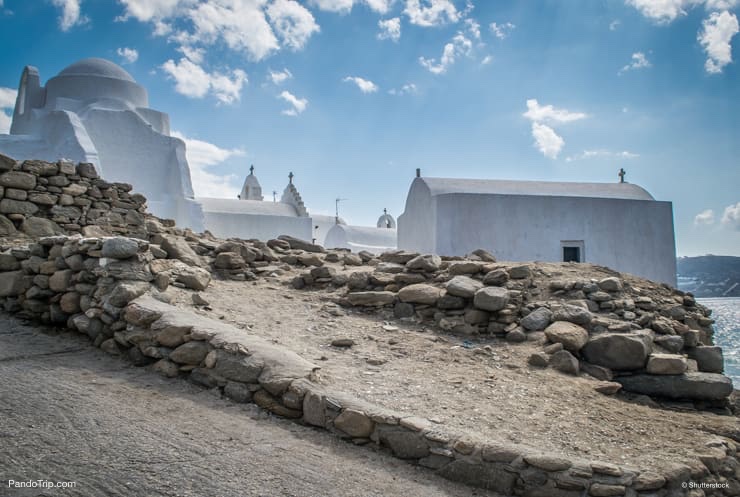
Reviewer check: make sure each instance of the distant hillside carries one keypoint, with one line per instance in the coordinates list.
(709, 275)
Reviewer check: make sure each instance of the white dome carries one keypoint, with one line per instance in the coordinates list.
(97, 67)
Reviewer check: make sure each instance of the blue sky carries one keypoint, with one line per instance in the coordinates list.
(353, 95)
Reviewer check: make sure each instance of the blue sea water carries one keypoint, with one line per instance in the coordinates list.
(726, 313)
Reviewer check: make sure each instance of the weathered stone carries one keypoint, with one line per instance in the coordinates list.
(537, 320)
(38, 227)
(425, 263)
(605, 490)
(708, 359)
(194, 278)
(110, 346)
(10, 206)
(497, 277)
(517, 335)
(120, 247)
(18, 179)
(6, 163)
(572, 314)
(70, 303)
(371, 299)
(483, 255)
(238, 392)
(266, 401)
(491, 298)
(520, 272)
(648, 481)
(482, 475)
(463, 286)
(166, 368)
(128, 269)
(354, 423)
(694, 386)
(193, 352)
(16, 194)
(620, 351)
(229, 260)
(6, 226)
(60, 280)
(608, 387)
(87, 170)
(564, 361)
(465, 267)
(404, 444)
(548, 463)
(237, 367)
(539, 360)
(74, 190)
(611, 284)
(671, 343)
(126, 291)
(298, 244)
(311, 259)
(342, 342)
(323, 272)
(666, 364)
(598, 372)
(178, 248)
(12, 284)
(499, 453)
(420, 293)
(352, 260)
(572, 336)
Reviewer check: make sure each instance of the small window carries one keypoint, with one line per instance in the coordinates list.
(571, 254)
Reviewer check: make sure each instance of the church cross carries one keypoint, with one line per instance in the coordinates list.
(290, 177)
(622, 174)
(251, 169)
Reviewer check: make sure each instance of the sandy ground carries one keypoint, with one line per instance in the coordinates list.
(69, 412)
(486, 391)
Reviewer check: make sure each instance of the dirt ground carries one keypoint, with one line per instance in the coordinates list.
(483, 388)
(70, 412)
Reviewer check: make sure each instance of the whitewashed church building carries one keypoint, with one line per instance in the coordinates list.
(619, 225)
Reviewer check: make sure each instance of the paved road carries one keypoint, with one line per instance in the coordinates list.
(69, 412)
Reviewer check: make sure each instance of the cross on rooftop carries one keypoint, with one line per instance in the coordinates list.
(290, 177)
(622, 174)
(251, 169)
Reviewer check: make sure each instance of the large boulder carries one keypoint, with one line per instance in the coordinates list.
(708, 359)
(692, 386)
(298, 244)
(420, 293)
(666, 364)
(18, 179)
(38, 226)
(491, 298)
(564, 362)
(178, 248)
(537, 320)
(620, 351)
(425, 263)
(120, 247)
(194, 278)
(572, 314)
(572, 336)
(463, 286)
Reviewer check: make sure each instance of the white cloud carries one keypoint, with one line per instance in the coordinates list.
(365, 85)
(71, 15)
(473, 28)
(345, 6)
(667, 11)
(547, 141)
(460, 45)
(408, 88)
(486, 60)
(203, 155)
(639, 61)
(539, 113)
(129, 55)
(715, 37)
(7, 103)
(704, 217)
(298, 104)
(196, 55)
(590, 154)
(501, 31)
(390, 29)
(280, 77)
(731, 216)
(193, 81)
(148, 10)
(293, 22)
(614, 24)
(431, 12)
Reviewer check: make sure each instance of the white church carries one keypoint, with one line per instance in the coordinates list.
(93, 111)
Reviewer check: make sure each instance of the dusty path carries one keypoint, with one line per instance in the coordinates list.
(69, 412)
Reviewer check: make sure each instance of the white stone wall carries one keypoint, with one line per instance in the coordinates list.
(261, 226)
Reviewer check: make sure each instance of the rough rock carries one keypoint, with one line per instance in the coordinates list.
(694, 386)
(537, 320)
(491, 298)
(463, 286)
(708, 359)
(572, 336)
(611, 284)
(238, 392)
(166, 368)
(178, 248)
(539, 360)
(12, 284)
(497, 277)
(354, 423)
(126, 291)
(620, 351)
(6, 226)
(193, 352)
(18, 179)
(426, 263)
(666, 364)
(297, 243)
(572, 314)
(608, 387)
(229, 260)
(465, 267)
(420, 293)
(194, 278)
(371, 299)
(10, 206)
(120, 247)
(564, 361)
(483, 255)
(38, 227)
(520, 272)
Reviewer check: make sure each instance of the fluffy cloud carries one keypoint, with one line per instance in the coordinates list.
(547, 141)
(148, 10)
(293, 23)
(201, 157)
(71, 15)
(460, 45)
(501, 31)
(193, 81)
(129, 55)
(345, 6)
(667, 11)
(731, 216)
(639, 61)
(704, 217)
(431, 12)
(486, 60)
(715, 37)
(7, 103)
(408, 88)
(473, 28)
(365, 85)
(298, 105)
(280, 77)
(590, 154)
(539, 113)
(390, 29)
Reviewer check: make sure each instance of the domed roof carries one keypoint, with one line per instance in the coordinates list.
(96, 67)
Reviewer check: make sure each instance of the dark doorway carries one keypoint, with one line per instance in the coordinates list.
(571, 254)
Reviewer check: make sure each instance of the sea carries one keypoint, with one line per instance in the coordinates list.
(726, 313)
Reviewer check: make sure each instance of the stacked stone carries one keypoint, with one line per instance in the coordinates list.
(40, 198)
